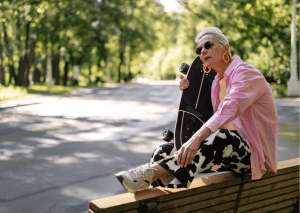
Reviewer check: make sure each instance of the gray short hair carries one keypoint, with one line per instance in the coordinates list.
(215, 31)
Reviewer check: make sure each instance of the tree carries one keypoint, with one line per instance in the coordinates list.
(257, 29)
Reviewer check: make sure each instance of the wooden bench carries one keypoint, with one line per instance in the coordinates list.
(224, 192)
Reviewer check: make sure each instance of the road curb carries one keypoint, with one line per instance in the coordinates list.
(13, 104)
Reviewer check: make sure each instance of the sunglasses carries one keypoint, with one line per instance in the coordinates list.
(207, 46)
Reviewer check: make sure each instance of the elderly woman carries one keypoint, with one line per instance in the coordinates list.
(241, 135)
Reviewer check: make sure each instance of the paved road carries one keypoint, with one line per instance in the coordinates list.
(57, 155)
(288, 128)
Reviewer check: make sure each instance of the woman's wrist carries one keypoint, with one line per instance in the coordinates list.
(202, 134)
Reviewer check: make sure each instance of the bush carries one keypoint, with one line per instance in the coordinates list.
(56, 89)
(279, 90)
(12, 93)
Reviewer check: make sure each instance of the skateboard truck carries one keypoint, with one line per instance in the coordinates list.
(184, 68)
(167, 135)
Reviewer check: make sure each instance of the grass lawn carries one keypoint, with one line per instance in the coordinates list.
(21, 93)
(14, 93)
(56, 89)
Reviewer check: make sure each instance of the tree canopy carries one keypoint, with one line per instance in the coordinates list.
(124, 40)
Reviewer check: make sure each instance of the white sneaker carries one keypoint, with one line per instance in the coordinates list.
(136, 179)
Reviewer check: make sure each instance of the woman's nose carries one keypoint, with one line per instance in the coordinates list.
(203, 53)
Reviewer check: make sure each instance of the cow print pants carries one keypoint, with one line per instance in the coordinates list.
(224, 148)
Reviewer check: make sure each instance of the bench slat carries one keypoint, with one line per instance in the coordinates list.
(283, 167)
(122, 202)
(288, 163)
(215, 193)
(131, 211)
(228, 206)
(225, 202)
(227, 211)
(285, 210)
(269, 194)
(210, 183)
(128, 201)
(286, 204)
(269, 204)
(281, 183)
(271, 179)
(197, 198)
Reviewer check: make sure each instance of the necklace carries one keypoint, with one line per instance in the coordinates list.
(204, 69)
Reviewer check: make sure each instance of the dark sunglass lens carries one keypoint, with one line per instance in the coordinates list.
(207, 45)
(198, 50)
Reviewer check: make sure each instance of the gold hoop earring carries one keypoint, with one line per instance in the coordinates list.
(228, 58)
(204, 69)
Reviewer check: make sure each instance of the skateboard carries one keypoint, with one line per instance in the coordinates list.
(195, 106)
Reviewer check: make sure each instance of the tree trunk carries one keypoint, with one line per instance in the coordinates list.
(26, 58)
(44, 70)
(31, 57)
(2, 75)
(129, 74)
(21, 71)
(90, 72)
(20, 75)
(66, 71)
(36, 75)
(121, 44)
(12, 74)
(56, 75)
(120, 67)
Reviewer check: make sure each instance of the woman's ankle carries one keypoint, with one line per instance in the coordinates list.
(160, 172)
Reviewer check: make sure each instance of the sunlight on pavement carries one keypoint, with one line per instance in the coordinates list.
(66, 160)
(75, 144)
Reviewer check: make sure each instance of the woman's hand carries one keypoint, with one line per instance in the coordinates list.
(184, 83)
(187, 152)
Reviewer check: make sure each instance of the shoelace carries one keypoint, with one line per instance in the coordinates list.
(143, 172)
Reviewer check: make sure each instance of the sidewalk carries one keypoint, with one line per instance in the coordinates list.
(15, 103)
(42, 98)
(38, 99)
(63, 150)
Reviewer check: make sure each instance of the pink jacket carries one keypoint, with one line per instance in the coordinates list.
(250, 106)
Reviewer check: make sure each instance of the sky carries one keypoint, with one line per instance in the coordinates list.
(171, 6)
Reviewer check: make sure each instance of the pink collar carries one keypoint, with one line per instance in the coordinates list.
(235, 62)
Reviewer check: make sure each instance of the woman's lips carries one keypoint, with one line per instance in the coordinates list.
(206, 59)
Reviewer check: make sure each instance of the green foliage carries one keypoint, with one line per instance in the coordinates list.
(128, 39)
(258, 31)
(278, 90)
(43, 89)
(13, 93)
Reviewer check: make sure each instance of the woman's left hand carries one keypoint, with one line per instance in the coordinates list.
(187, 152)
(189, 149)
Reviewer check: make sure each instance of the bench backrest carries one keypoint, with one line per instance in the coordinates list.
(224, 192)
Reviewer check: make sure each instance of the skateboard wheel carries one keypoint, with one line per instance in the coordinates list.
(184, 68)
(167, 135)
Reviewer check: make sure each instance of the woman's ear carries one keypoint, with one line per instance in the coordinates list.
(226, 48)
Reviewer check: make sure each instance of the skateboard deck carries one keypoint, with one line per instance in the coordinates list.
(195, 106)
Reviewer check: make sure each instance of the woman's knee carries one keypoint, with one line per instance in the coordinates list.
(162, 151)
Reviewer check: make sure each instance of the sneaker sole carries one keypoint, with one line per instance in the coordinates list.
(120, 179)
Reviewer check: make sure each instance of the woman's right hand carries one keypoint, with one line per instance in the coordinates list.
(184, 83)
